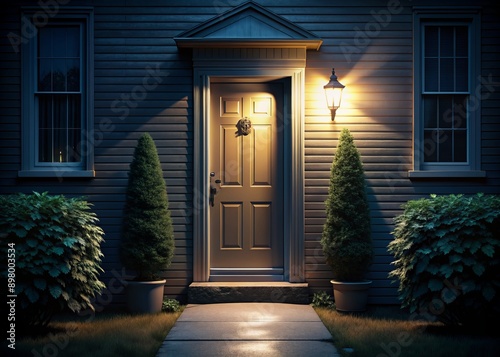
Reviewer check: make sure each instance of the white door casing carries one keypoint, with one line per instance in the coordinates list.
(293, 163)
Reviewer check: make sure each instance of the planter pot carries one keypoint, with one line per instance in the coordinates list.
(145, 297)
(350, 296)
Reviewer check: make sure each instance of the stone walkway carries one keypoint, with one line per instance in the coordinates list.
(248, 329)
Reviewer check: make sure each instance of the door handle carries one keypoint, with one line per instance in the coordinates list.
(213, 192)
(213, 189)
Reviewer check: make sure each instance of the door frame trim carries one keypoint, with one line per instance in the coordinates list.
(293, 166)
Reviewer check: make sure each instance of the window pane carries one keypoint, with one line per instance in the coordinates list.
(45, 75)
(60, 111)
(45, 145)
(45, 42)
(460, 111)
(462, 75)
(73, 75)
(446, 41)
(45, 115)
(59, 75)
(73, 42)
(430, 146)
(430, 112)
(74, 112)
(460, 151)
(446, 75)
(445, 146)
(431, 41)
(60, 145)
(74, 145)
(74, 128)
(45, 111)
(462, 41)
(445, 111)
(59, 41)
(431, 74)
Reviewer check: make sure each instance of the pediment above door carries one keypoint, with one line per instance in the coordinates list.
(248, 26)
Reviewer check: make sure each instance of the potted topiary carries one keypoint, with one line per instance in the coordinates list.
(148, 240)
(346, 238)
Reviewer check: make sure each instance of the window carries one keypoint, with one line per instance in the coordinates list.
(57, 96)
(447, 117)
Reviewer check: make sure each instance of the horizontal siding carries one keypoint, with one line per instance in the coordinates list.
(128, 42)
(132, 37)
(377, 108)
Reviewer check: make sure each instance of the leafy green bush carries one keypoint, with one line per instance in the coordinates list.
(57, 254)
(148, 237)
(447, 257)
(346, 238)
(170, 305)
(323, 299)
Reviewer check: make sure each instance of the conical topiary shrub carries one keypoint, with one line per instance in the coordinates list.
(346, 238)
(148, 238)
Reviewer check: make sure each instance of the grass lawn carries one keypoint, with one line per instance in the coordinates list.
(104, 335)
(379, 332)
(389, 332)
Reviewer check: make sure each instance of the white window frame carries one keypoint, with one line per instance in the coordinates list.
(457, 16)
(30, 167)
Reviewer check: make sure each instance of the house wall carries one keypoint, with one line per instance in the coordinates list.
(144, 83)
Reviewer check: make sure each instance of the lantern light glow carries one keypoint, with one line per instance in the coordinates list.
(333, 92)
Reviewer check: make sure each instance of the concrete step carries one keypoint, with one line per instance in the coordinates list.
(222, 292)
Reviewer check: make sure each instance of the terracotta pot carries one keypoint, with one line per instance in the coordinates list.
(350, 296)
(145, 297)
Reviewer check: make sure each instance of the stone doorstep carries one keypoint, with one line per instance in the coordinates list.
(223, 292)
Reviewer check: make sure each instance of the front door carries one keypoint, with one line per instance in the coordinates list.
(246, 219)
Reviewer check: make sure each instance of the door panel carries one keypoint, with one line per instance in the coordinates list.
(261, 155)
(231, 160)
(231, 226)
(246, 221)
(262, 225)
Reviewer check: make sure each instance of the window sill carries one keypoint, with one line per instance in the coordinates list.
(57, 173)
(446, 174)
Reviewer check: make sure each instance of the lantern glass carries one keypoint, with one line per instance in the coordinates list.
(333, 97)
(333, 92)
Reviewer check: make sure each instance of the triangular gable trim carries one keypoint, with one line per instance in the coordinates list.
(248, 25)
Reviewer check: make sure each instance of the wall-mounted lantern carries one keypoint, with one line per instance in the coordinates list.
(333, 92)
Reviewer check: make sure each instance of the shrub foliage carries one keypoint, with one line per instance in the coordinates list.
(323, 299)
(346, 238)
(447, 257)
(148, 238)
(170, 305)
(57, 254)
